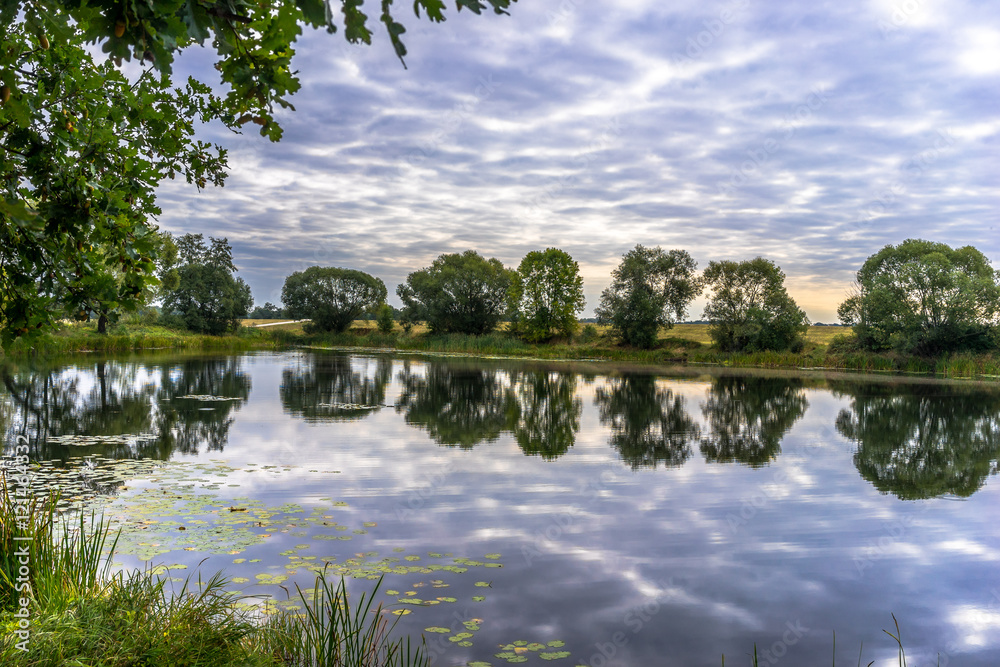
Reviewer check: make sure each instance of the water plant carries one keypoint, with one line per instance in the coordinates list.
(81, 612)
(331, 632)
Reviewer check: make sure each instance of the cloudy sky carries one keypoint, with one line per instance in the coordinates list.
(811, 133)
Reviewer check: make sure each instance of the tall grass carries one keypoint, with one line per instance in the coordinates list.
(82, 613)
(65, 561)
(81, 339)
(331, 632)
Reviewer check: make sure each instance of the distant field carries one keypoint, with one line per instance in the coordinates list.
(695, 332)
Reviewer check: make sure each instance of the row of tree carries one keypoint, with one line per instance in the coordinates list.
(651, 289)
(917, 297)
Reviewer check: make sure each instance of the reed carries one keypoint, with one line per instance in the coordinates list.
(83, 613)
(331, 632)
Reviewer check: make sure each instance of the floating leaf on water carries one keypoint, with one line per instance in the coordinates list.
(438, 629)
(460, 636)
(555, 643)
(478, 598)
(492, 556)
(554, 655)
(401, 612)
(448, 599)
(465, 643)
(484, 584)
(239, 580)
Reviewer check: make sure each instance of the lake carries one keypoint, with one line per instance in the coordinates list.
(547, 513)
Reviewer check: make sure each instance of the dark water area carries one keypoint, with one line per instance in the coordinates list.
(641, 517)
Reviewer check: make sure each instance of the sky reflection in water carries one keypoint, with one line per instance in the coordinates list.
(642, 519)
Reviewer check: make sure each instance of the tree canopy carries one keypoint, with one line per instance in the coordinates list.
(83, 146)
(546, 295)
(926, 298)
(651, 288)
(331, 297)
(208, 297)
(749, 308)
(458, 293)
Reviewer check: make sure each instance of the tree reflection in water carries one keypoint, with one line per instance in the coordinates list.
(748, 417)
(922, 441)
(323, 387)
(648, 422)
(142, 404)
(462, 404)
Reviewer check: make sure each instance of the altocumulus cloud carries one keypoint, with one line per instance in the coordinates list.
(810, 134)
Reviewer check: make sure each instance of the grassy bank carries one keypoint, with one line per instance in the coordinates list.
(77, 338)
(78, 612)
(684, 344)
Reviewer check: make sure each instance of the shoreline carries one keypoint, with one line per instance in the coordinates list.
(680, 347)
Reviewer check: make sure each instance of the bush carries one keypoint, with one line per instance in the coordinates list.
(843, 344)
(588, 334)
(384, 318)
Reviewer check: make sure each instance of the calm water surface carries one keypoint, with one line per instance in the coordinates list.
(640, 518)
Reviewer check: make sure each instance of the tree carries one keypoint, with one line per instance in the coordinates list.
(385, 319)
(925, 298)
(749, 308)
(268, 311)
(84, 146)
(208, 298)
(546, 295)
(458, 293)
(331, 297)
(650, 289)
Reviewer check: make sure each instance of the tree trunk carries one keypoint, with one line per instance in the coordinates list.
(102, 324)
